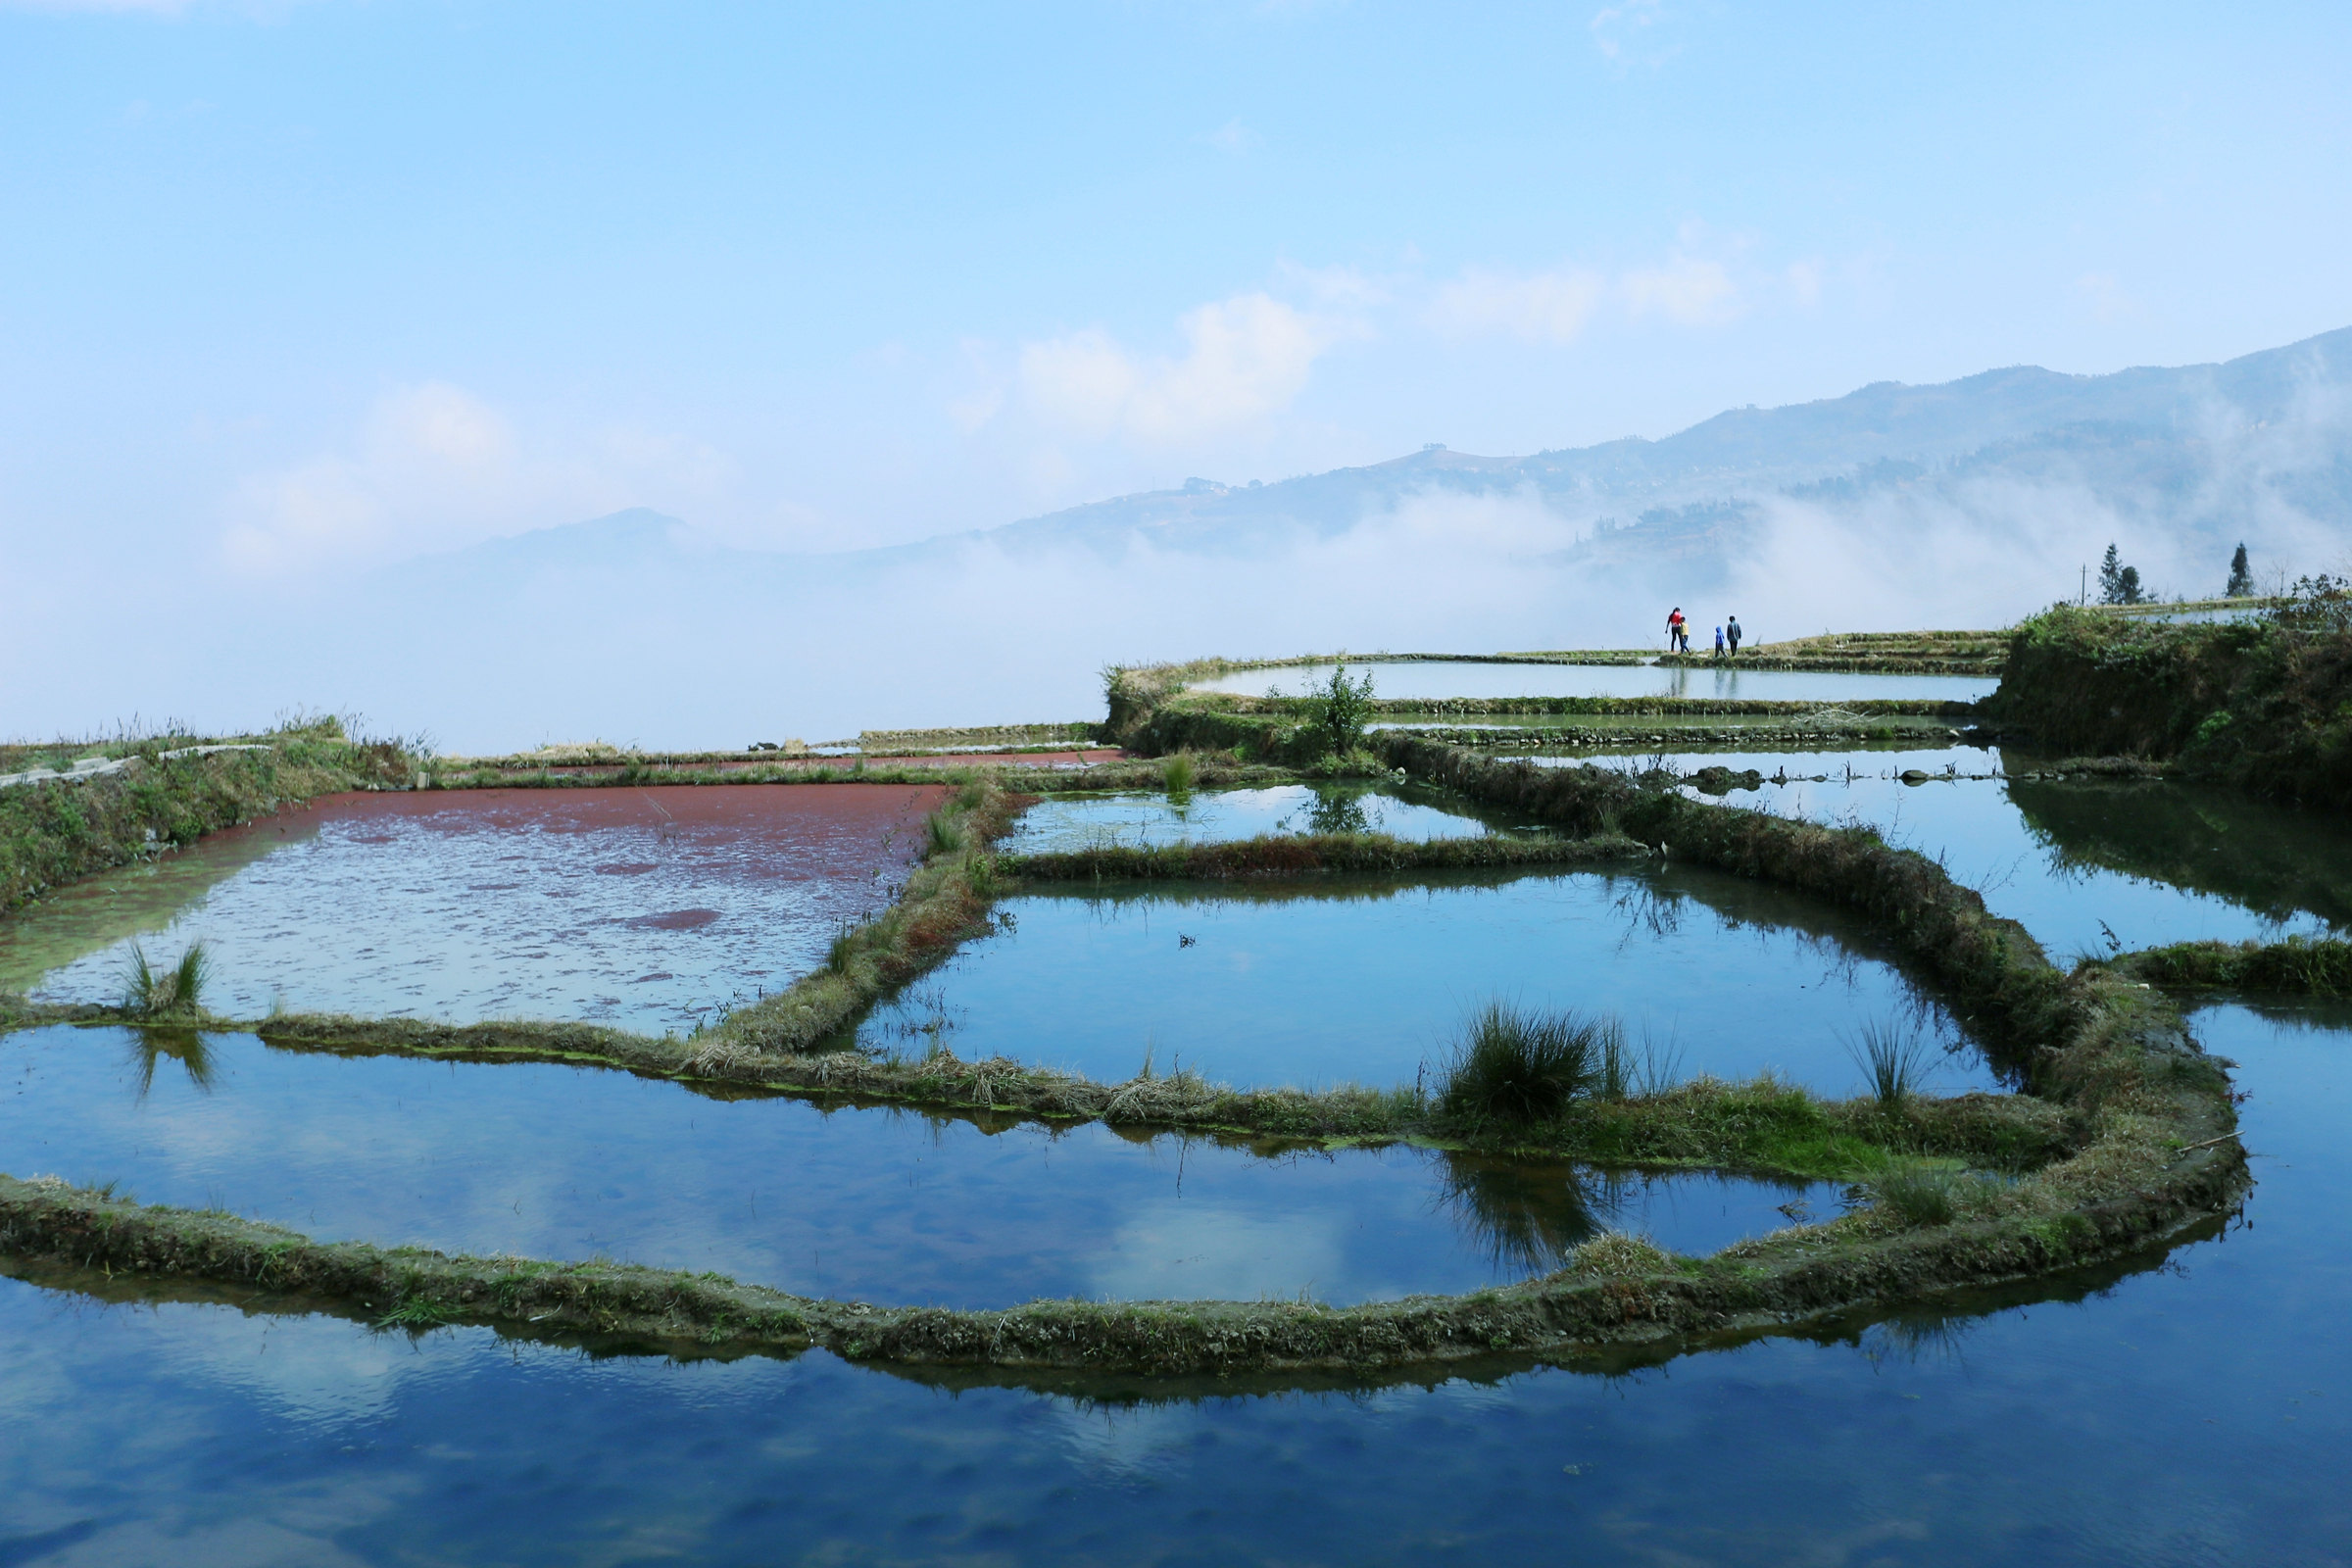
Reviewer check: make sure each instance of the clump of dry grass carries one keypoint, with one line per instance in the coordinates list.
(1616, 1252)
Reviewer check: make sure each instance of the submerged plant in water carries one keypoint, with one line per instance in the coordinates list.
(173, 993)
(1522, 1067)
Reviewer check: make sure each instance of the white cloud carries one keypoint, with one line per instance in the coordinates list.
(1615, 27)
(1540, 307)
(433, 467)
(1247, 358)
(1232, 137)
(1554, 307)
(1690, 292)
(2106, 295)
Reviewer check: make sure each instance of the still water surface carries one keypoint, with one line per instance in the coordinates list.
(2084, 865)
(645, 908)
(2195, 1413)
(1365, 979)
(1419, 681)
(573, 1163)
(1412, 811)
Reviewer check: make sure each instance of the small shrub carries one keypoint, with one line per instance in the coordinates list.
(1517, 1066)
(1179, 773)
(1344, 705)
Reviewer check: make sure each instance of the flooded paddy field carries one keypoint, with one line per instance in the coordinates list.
(1436, 679)
(860, 1203)
(1137, 820)
(1367, 979)
(2181, 1409)
(643, 907)
(2081, 864)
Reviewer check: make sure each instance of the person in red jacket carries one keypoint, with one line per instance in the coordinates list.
(1678, 632)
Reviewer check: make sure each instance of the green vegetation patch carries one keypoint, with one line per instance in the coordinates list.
(2264, 703)
(1310, 853)
(2311, 967)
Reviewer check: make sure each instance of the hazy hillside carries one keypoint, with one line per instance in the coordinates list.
(1968, 504)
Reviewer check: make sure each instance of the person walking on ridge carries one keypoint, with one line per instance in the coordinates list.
(1719, 642)
(1731, 630)
(1678, 632)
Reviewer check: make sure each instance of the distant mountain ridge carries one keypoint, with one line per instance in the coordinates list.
(2205, 451)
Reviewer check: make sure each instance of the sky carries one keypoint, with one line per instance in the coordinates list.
(290, 289)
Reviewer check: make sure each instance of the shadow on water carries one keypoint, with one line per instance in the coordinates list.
(2273, 859)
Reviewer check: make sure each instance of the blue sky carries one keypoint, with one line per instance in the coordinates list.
(291, 287)
(839, 275)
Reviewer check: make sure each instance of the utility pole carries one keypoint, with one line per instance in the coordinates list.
(2082, 594)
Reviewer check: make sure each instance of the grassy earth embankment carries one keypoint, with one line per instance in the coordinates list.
(2262, 703)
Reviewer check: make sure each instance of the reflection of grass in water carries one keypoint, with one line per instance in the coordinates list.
(183, 1045)
(1530, 1220)
(1931, 1336)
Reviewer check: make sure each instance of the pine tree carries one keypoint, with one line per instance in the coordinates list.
(2126, 586)
(2241, 575)
(2111, 578)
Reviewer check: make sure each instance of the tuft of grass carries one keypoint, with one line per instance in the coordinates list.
(1180, 774)
(943, 834)
(842, 948)
(173, 993)
(980, 874)
(1616, 1252)
(1920, 1191)
(1893, 1059)
(1521, 1067)
(415, 1315)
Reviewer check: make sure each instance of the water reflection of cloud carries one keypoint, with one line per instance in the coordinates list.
(1175, 1251)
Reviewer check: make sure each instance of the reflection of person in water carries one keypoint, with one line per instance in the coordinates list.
(1731, 631)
